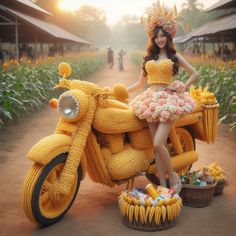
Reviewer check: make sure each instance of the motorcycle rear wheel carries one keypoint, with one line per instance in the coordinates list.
(36, 201)
(188, 144)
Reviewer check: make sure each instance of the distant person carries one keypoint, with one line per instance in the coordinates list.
(198, 50)
(51, 52)
(219, 51)
(30, 53)
(110, 57)
(227, 53)
(121, 60)
(188, 51)
(233, 52)
(1, 56)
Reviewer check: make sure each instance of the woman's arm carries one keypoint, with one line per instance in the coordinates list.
(194, 74)
(139, 84)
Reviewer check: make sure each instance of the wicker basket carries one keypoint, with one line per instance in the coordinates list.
(137, 225)
(197, 196)
(219, 187)
(151, 222)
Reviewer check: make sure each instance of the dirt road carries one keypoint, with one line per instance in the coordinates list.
(95, 210)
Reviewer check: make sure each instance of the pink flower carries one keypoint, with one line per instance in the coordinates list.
(161, 101)
(180, 102)
(181, 96)
(152, 106)
(147, 101)
(179, 86)
(164, 116)
(188, 100)
(142, 108)
(179, 111)
(136, 106)
(147, 114)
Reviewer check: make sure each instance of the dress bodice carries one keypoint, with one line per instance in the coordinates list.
(159, 72)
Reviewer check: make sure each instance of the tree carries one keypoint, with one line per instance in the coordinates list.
(191, 12)
(88, 22)
(128, 33)
(192, 5)
(91, 22)
(192, 16)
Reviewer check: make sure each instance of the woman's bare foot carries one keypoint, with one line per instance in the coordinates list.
(175, 183)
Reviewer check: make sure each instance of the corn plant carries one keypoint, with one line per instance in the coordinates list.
(27, 87)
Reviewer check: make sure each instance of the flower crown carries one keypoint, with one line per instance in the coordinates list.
(160, 16)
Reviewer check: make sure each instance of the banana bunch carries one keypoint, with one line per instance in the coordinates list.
(216, 171)
(202, 95)
(165, 210)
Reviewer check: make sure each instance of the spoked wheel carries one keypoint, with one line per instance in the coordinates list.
(186, 139)
(39, 204)
(188, 144)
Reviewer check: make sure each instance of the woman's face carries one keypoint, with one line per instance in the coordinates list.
(161, 39)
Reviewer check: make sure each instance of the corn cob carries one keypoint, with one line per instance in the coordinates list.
(158, 214)
(169, 213)
(136, 212)
(131, 213)
(151, 213)
(127, 210)
(163, 213)
(142, 214)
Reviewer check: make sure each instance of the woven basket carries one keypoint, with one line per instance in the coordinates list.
(149, 223)
(137, 225)
(197, 196)
(219, 187)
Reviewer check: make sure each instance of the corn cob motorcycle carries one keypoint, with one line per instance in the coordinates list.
(98, 133)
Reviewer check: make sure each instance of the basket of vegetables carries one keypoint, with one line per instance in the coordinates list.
(150, 209)
(197, 188)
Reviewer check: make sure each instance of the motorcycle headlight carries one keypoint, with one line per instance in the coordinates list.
(68, 106)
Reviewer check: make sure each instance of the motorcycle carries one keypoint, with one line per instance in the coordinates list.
(99, 134)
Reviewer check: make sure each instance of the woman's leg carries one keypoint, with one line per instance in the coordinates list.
(160, 167)
(159, 142)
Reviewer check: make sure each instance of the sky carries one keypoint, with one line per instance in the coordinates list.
(115, 9)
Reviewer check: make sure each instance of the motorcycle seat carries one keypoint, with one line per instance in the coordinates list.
(115, 120)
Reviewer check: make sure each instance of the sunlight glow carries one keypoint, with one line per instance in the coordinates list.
(69, 5)
(115, 9)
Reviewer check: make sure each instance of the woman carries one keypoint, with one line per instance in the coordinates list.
(165, 100)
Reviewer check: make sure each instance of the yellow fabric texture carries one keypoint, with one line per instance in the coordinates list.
(140, 139)
(95, 165)
(114, 120)
(123, 164)
(159, 72)
(179, 162)
(76, 151)
(50, 146)
(108, 103)
(114, 142)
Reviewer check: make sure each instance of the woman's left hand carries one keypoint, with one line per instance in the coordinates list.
(178, 86)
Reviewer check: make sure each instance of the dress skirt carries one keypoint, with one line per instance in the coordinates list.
(163, 106)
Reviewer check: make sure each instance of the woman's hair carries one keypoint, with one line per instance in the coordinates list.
(153, 50)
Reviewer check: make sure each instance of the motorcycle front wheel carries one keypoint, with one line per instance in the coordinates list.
(37, 204)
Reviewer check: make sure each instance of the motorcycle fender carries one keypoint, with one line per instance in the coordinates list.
(49, 147)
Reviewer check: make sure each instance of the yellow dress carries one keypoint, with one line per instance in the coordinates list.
(166, 105)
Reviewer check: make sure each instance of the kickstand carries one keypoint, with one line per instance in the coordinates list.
(130, 184)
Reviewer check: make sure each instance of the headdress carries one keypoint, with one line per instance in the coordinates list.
(160, 16)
